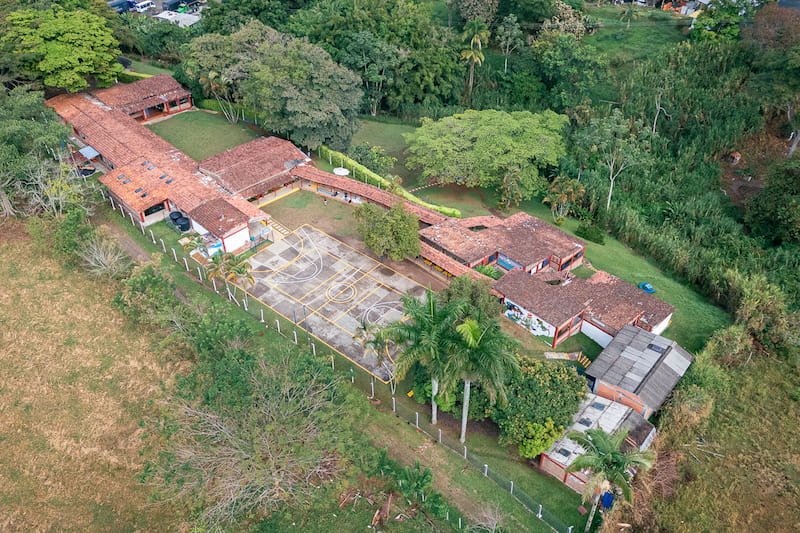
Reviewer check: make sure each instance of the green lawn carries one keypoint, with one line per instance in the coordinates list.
(200, 135)
(695, 319)
(147, 67)
(390, 137)
(651, 33)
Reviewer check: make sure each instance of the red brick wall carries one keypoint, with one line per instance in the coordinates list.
(574, 480)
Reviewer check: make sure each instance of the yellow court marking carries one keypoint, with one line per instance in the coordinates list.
(338, 316)
(288, 263)
(345, 267)
(360, 253)
(329, 300)
(278, 198)
(374, 268)
(322, 341)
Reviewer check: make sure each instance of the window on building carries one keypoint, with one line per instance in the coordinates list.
(585, 422)
(120, 176)
(565, 452)
(145, 163)
(139, 190)
(126, 181)
(170, 180)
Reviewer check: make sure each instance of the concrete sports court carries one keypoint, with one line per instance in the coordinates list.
(328, 288)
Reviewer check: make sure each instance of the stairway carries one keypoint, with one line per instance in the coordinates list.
(279, 231)
(583, 360)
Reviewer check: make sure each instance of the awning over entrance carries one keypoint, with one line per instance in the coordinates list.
(88, 152)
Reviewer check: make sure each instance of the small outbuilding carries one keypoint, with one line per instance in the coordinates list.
(595, 412)
(638, 369)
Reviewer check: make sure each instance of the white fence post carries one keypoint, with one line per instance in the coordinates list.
(512, 488)
(163, 246)
(186, 264)
(278, 325)
(440, 434)
(174, 255)
(262, 315)
(199, 273)
(141, 226)
(416, 423)
(485, 470)
(214, 284)
(394, 404)
(539, 514)
(465, 452)
(372, 387)
(314, 348)
(294, 332)
(152, 237)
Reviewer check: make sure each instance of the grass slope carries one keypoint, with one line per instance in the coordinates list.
(200, 135)
(653, 32)
(76, 379)
(755, 485)
(148, 68)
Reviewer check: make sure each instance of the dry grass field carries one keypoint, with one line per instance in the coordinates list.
(75, 381)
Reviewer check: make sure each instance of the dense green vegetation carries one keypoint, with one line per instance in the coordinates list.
(647, 117)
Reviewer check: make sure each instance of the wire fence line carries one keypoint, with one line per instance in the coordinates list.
(288, 329)
(421, 423)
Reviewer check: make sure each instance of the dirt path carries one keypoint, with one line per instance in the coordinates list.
(131, 247)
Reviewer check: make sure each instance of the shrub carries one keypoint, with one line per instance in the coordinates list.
(489, 270)
(104, 257)
(591, 233)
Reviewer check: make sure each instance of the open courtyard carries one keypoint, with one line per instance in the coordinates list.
(331, 290)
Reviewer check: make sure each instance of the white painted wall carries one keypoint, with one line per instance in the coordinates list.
(659, 329)
(237, 240)
(596, 334)
(530, 321)
(198, 228)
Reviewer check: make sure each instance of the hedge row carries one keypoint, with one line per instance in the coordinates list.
(364, 174)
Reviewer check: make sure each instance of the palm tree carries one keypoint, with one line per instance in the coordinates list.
(610, 467)
(483, 353)
(563, 193)
(423, 336)
(196, 243)
(219, 267)
(476, 33)
(239, 272)
(221, 87)
(629, 14)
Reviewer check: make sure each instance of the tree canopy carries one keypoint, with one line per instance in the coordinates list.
(392, 232)
(492, 149)
(66, 48)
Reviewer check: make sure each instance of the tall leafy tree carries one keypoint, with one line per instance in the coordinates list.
(299, 91)
(475, 294)
(65, 48)
(490, 149)
(477, 9)
(374, 60)
(392, 232)
(616, 143)
(567, 66)
(610, 467)
(483, 354)
(542, 399)
(423, 337)
(721, 20)
(509, 38)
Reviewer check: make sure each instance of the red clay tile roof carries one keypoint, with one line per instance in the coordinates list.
(368, 192)
(450, 265)
(608, 299)
(255, 167)
(141, 94)
(118, 137)
(219, 217)
(521, 237)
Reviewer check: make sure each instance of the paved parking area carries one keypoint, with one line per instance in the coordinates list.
(328, 288)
